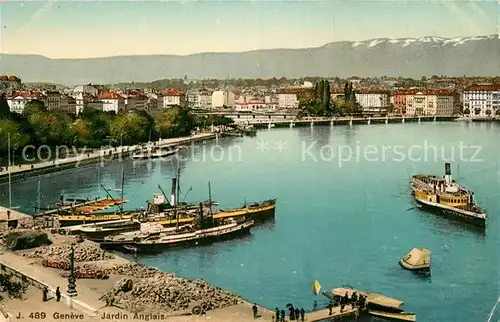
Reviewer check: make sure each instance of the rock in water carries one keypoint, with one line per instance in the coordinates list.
(26, 239)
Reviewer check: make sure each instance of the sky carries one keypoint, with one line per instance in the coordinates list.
(83, 29)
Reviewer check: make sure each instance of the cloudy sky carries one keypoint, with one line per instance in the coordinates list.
(79, 29)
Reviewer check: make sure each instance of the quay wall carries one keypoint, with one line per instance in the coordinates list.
(24, 277)
(109, 155)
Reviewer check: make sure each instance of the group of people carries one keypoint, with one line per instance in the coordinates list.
(354, 301)
(294, 313)
(46, 294)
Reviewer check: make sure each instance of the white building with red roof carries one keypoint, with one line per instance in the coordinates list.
(18, 100)
(173, 97)
(112, 102)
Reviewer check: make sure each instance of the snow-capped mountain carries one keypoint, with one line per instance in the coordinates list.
(436, 40)
(408, 57)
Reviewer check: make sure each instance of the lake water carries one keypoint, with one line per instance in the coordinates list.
(339, 220)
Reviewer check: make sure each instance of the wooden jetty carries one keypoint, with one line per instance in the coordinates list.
(373, 300)
(324, 314)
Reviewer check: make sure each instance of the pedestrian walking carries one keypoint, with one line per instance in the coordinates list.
(255, 310)
(302, 314)
(45, 294)
(58, 294)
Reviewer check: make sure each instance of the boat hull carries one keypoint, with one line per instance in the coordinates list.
(403, 316)
(450, 213)
(98, 236)
(258, 214)
(419, 270)
(158, 248)
(82, 220)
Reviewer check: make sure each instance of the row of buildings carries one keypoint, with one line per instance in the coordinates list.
(87, 96)
(476, 100)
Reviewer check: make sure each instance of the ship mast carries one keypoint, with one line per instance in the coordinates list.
(176, 205)
(209, 198)
(10, 169)
(123, 183)
(38, 197)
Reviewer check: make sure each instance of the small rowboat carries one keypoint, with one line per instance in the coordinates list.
(402, 316)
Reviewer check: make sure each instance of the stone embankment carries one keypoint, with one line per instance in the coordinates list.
(141, 288)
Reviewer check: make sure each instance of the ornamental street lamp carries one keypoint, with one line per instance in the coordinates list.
(72, 276)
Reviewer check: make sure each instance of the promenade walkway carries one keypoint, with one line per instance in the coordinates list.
(87, 303)
(100, 153)
(87, 299)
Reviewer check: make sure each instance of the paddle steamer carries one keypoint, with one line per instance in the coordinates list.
(442, 195)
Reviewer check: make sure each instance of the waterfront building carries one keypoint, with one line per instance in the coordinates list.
(18, 100)
(398, 99)
(287, 98)
(112, 102)
(481, 100)
(428, 102)
(173, 97)
(250, 104)
(373, 101)
(271, 102)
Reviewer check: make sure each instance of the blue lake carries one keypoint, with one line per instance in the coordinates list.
(345, 218)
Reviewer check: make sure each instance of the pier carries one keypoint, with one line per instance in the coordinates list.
(270, 122)
(323, 315)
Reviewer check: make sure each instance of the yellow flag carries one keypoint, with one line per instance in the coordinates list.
(316, 287)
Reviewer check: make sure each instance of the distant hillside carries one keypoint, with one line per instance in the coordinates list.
(377, 57)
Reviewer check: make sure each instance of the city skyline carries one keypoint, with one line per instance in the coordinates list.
(58, 29)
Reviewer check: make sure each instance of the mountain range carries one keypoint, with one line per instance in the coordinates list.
(408, 57)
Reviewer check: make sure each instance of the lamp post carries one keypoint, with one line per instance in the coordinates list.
(72, 276)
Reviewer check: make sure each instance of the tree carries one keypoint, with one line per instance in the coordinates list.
(4, 107)
(127, 129)
(99, 123)
(34, 106)
(175, 121)
(17, 138)
(83, 132)
(326, 98)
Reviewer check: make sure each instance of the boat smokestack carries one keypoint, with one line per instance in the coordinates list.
(447, 172)
(173, 200)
